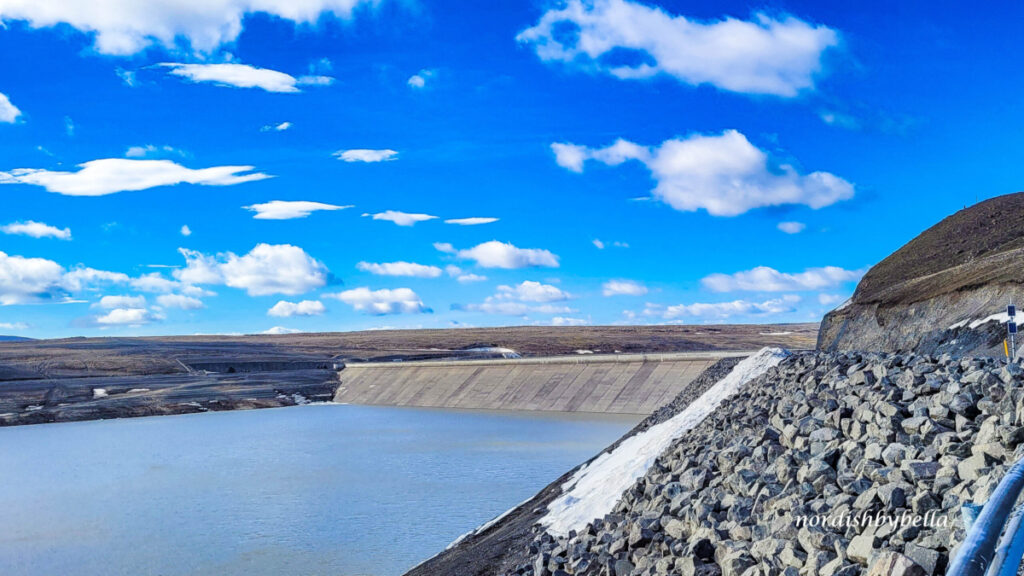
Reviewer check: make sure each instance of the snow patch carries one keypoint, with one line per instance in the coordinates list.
(138, 390)
(1001, 317)
(504, 352)
(595, 488)
(99, 393)
(775, 333)
(584, 351)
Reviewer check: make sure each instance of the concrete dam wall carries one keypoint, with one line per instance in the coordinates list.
(613, 384)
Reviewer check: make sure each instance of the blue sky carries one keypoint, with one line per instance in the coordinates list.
(674, 163)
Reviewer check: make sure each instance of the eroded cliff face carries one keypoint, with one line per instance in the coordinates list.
(930, 295)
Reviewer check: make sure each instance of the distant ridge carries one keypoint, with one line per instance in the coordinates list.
(14, 338)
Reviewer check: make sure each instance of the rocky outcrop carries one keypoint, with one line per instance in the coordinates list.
(829, 464)
(967, 267)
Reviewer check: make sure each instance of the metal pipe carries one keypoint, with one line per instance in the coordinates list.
(975, 553)
(1010, 551)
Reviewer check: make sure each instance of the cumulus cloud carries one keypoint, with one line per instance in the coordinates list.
(154, 282)
(110, 175)
(24, 280)
(286, 309)
(287, 210)
(401, 218)
(724, 174)
(128, 317)
(266, 269)
(36, 230)
(124, 27)
(400, 269)
(623, 288)
(722, 310)
(525, 298)
(476, 221)
(13, 326)
(530, 291)
(179, 301)
(764, 55)
(765, 279)
(381, 302)
(495, 254)
(112, 302)
(792, 227)
(186, 231)
(366, 155)
(276, 127)
(9, 113)
(243, 76)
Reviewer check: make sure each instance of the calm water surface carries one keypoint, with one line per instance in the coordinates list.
(330, 489)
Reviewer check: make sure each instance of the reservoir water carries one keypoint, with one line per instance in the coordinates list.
(327, 489)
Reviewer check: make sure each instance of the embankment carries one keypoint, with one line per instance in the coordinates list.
(611, 384)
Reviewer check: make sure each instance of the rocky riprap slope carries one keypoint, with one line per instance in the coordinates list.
(967, 267)
(821, 434)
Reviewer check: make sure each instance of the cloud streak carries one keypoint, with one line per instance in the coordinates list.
(112, 175)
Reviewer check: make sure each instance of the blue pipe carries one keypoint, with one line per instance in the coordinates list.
(975, 553)
(1011, 547)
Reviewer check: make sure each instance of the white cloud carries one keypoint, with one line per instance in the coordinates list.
(495, 254)
(150, 150)
(724, 174)
(267, 269)
(286, 309)
(36, 230)
(445, 247)
(792, 227)
(470, 221)
(525, 298)
(112, 302)
(467, 278)
(83, 278)
(381, 302)
(277, 330)
(601, 244)
(243, 76)
(457, 273)
(567, 321)
(400, 269)
(287, 210)
(186, 231)
(419, 80)
(276, 127)
(9, 113)
(126, 27)
(839, 119)
(530, 291)
(128, 317)
(110, 175)
(179, 301)
(623, 288)
(154, 282)
(722, 310)
(764, 55)
(765, 279)
(366, 155)
(401, 218)
(13, 326)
